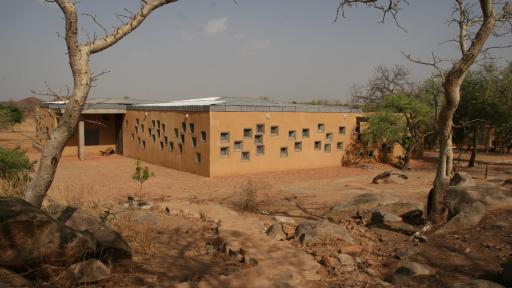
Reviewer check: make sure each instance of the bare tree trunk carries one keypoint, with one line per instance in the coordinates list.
(472, 159)
(79, 62)
(451, 86)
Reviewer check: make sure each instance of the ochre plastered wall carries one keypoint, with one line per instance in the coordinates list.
(152, 151)
(271, 160)
(105, 123)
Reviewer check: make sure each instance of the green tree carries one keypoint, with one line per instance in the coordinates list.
(10, 115)
(401, 119)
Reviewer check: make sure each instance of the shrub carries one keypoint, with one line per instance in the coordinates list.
(15, 168)
(10, 115)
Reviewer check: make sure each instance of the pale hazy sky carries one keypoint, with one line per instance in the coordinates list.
(282, 49)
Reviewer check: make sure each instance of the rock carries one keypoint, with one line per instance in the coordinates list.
(470, 216)
(390, 177)
(345, 259)
(88, 271)
(352, 250)
(477, 283)
(29, 236)
(506, 274)
(11, 279)
(310, 232)
(391, 222)
(403, 254)
(329, 261)
(462, 179)
(275, 231)
(283, 219)
(412, 269)
(400, 208)
(289, 230)
(110, 244)
(365, 201)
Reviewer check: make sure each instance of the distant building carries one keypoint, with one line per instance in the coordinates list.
(210, 136)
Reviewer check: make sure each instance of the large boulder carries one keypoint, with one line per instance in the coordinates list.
(477, 283)
(365, 201)
(412, 269)
(506, 274)
(275, 231)
(29, 236)
(311, 232)
(462, 179)
(110, 244)
(10, 279)
(468, 204)
(389, 177)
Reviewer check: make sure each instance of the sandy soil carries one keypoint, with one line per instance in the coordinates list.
(101, 182)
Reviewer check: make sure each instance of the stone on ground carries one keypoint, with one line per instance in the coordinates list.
(275, 231)
(365, 201)
(462, 179)
(412, 269)
(109, 242)
(310, 232)
(390, 177)
(89, 271)
(29, 236)
(470, 216)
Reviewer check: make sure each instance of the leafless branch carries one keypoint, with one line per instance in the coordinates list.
(389, 7)
(93, 18)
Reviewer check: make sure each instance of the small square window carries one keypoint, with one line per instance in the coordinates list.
(321, 127)
(305, 133)
(260, 128)
(298, 146)
(180, 148)
(198, 157)
(194, 142)
(238, 145)
(163, 127)
(258, 139)
(339, 146)
(143, 143)
(224, 151)
(224, 137)
(141, 128)
(133, 137)
(137, 121)
(247, 133)
(166, 140)
(158, 132)
(176, 133)
(274, 130)
(149, 132)
(327, 147)
(138, 141)
(318, 145)
(342, 130)
(158, 124)
(260, 150)
(292, 135)
(136, 130)
(161, 146)
(183, 127)
(153, 122)
(246, 156)
(191, 127)
(203, 136)
(328, 137)
(284, 152)
(171, 146)
(182, 139)
(154, 138)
